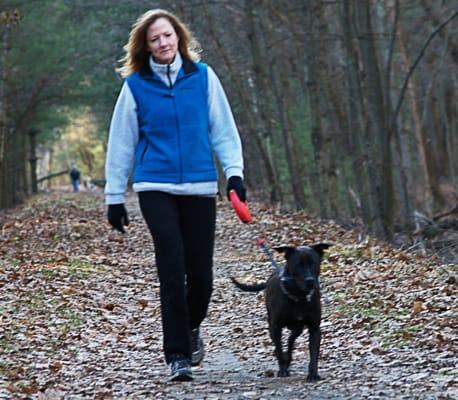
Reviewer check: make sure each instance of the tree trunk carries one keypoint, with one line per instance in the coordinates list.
(320, 109)
(297, 185)
(33, 160)
(313, 91)
(451, 115)
(262, 90)
(381, 169)
(355, 114)
(420, 139)
(3, 117)
(9, 144)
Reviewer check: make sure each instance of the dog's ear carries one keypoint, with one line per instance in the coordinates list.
(321, 247)
(288, 250)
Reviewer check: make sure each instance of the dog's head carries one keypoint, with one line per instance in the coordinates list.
(303, 265)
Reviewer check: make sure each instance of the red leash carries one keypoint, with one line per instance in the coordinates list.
(242, 211)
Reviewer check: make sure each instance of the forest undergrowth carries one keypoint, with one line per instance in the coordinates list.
(80, 317)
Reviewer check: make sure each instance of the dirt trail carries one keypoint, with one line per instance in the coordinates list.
(79, 315)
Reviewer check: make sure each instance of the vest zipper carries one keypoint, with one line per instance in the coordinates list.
(177, 124)
(168, 76)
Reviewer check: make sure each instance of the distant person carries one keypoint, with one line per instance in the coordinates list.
(75, 178)
(171, 115)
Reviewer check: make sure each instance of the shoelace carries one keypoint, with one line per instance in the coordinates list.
(180, 364)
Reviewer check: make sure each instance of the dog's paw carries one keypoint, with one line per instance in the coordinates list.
(283, 373)
(313, 377)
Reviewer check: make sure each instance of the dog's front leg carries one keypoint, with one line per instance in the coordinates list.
(314, 349)
(292, 338)
(275, 334)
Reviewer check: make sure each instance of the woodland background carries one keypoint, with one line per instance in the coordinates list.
(347, 109)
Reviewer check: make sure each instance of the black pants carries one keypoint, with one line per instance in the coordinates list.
(183, 231)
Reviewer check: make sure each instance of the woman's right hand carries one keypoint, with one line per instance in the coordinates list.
(117, 217)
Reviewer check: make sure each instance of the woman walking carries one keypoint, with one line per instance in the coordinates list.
(171, 117)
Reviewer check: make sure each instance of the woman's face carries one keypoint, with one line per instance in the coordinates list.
(162, 41)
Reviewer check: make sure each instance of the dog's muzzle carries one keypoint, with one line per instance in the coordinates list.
(310, 283)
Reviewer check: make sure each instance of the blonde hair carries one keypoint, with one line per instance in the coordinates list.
(136, 50)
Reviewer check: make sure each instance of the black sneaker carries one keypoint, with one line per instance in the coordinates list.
(180, 369)
(197, 348)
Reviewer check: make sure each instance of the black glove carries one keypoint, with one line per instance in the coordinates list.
(117, 216)
(236, 183)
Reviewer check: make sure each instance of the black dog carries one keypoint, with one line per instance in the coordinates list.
(293, 301)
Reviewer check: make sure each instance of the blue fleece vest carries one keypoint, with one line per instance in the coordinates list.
(174, 143)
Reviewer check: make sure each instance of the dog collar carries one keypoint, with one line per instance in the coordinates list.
(285, 291)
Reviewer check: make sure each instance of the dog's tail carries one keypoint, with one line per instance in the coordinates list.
(249, 288)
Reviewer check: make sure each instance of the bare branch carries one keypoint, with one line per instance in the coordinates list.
(412, 69)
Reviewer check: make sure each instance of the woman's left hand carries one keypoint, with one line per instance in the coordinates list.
(236, 183)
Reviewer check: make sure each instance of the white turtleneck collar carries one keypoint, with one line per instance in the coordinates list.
(163, 69)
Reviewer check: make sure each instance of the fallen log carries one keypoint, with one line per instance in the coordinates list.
(53, 175)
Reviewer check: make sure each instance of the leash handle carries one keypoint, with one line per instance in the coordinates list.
(240, 207)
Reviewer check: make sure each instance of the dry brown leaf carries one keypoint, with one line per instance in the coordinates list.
(67, 290)
(109, 306)
(143, 303)
(56, 366)
(417, 306)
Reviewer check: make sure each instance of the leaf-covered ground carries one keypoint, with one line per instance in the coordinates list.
(80, 319)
